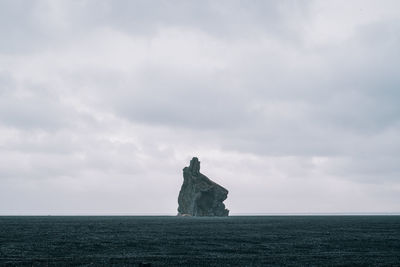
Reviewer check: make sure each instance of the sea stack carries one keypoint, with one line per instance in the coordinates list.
(199, 196)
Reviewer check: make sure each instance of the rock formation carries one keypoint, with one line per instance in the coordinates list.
(199, 196)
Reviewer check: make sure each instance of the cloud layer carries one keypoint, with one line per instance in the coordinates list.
(293, 106)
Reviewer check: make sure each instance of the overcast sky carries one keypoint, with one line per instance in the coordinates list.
(293, 106)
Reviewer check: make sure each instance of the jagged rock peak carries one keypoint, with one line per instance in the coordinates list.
(194, 166)
(199, 196)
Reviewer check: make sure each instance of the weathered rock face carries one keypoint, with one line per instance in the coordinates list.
(199, 196)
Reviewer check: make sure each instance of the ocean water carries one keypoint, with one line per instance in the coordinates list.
(189, 241)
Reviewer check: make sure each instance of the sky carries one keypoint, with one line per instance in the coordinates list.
(293, 106)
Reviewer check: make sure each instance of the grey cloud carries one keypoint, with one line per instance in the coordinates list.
(113, 97)
(367, 168)
(31, 113)
(196, 104)
(7, 83)
(34, 108)
(30, 26)
(220, 18)
(15, 25)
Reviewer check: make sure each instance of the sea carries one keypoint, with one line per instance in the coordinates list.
(199, 241)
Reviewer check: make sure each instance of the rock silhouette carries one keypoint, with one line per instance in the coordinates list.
(199, 196)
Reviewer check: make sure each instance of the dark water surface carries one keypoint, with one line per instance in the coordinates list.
(188, 241)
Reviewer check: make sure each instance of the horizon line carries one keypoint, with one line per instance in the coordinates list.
(231, 215)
